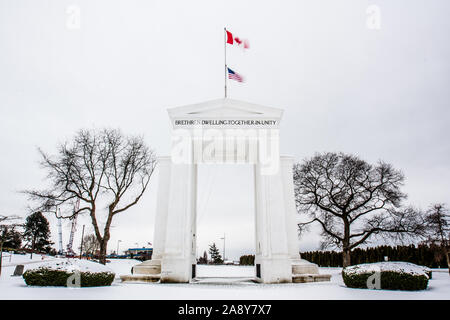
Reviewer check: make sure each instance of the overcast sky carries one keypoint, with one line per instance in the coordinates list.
(344, 84)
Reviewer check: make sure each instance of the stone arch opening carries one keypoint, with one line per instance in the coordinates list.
(225, 207)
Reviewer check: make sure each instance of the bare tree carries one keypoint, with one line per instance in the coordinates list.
(438, 229)
(98, 168)
(90, 245)
(7, 229)
(352, 201)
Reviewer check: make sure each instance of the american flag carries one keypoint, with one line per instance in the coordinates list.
(235, 76)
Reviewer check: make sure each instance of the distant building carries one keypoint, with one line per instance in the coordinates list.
(140, 253)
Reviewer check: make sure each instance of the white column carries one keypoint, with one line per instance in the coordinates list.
(153, 266)
(299, 266)
(193, 229)
(272, 241)
(177, 258)
(162, 205)
(287, 164)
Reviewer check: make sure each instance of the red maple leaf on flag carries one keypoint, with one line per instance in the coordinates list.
(243, 43)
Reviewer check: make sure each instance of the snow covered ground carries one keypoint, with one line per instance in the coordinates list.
(14, 259)
(235, 287)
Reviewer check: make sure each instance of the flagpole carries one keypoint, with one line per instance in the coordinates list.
(225, 54)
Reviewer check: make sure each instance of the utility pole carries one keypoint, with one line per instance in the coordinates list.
(223, 247)
(81, 246)
(118, 241)
(225, 55)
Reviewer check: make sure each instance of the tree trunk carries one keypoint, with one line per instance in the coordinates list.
(346, 258)
(32, 247)
(346, 244)
(106, 237)
(103, 246)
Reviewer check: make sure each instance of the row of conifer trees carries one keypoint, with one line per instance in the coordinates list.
(425, 255)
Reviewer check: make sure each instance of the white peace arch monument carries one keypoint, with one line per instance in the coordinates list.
(225, 131)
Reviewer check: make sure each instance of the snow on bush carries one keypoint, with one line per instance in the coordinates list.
(391, 275)
(82, 273)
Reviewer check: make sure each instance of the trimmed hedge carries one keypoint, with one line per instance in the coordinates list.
(48, 277)
(390, 280)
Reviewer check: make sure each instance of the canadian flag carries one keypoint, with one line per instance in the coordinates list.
(243, 43)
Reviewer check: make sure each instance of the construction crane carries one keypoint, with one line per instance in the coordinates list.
(60, 244)
(73, 229)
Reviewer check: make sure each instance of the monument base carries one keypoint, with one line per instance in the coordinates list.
(148, 267)
(175, 270)
(271, 271)
(301, 266)
(304, 278)
(304, 271)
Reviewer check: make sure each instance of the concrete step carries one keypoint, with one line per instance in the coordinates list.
(146, 269)
(303, 278)
(308, 268)
(223, 280)
(296, 278)
(141, 278)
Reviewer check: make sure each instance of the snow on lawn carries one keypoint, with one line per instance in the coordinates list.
(15, 287)
(122, 266)
(225, 271)
(15, 259)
